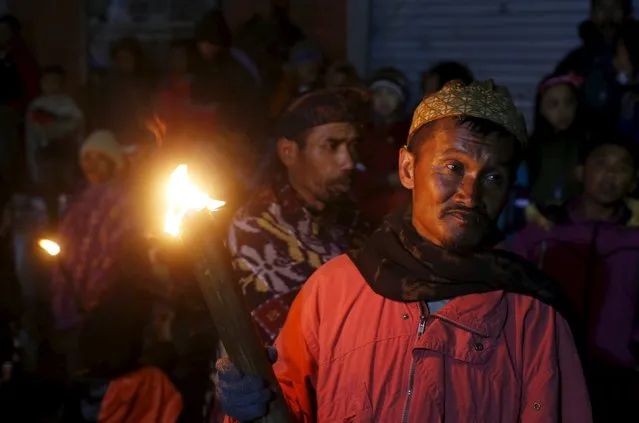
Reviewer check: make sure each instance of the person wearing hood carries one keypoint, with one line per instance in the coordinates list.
(227, 83)
(591, 248)
(91, 235)
(428, 322)
(376, 186)
(101, 157)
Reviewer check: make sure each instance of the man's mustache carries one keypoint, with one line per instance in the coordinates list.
(345, 178)
(472, 213)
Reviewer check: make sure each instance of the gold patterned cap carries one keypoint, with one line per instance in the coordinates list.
(480, 99)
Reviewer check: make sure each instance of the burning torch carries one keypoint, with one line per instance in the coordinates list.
(221, 293)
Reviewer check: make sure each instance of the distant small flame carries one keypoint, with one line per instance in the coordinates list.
(51, 247)
(184, 197)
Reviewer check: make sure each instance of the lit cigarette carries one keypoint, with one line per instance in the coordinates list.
(51, 247)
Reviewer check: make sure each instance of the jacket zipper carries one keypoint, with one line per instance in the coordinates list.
(411, 375)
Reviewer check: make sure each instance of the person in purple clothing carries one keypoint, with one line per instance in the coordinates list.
(593, 252)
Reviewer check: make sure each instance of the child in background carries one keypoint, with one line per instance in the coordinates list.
(54, 132)
(376, 186)
(341, 74)
(554, 145)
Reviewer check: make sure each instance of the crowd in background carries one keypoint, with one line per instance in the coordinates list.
(119, 316)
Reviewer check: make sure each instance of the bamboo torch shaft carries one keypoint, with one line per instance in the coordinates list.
(232, 319)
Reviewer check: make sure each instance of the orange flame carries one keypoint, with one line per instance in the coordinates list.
(183, 197)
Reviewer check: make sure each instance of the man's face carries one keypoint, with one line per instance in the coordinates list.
(335, 79)
(606, 14)
(609, 174)
(559, 106)
(460, 183)
(52, 83)
(97, 167)
(385, 101)
(324, 166)
(207, 50)
(308, 72)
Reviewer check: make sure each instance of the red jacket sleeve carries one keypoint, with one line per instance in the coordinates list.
(297, 348)
(553, 386)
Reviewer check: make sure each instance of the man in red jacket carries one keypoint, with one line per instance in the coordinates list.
(428, 322)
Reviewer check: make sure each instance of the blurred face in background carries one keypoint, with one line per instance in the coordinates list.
(52, 83)
(308, 73)
(606, 15)
(320, 167)
(207, 50)
(609, 174)
(125, 61)
(386, 101)
(622, 62)
(559, 106)
(97, 167)
(340, 75)
(336, 79)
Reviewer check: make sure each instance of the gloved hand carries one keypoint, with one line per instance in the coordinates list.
(243, 397)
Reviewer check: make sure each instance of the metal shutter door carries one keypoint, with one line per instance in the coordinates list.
(514, 42)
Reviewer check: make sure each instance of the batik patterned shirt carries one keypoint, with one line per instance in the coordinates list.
(276, 243)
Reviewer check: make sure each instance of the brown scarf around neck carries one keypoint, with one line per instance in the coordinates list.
(401, 265)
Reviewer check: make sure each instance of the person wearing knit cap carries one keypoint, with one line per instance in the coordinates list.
(303, 216)
(101, 157)
(428, 322)
(376, 186)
